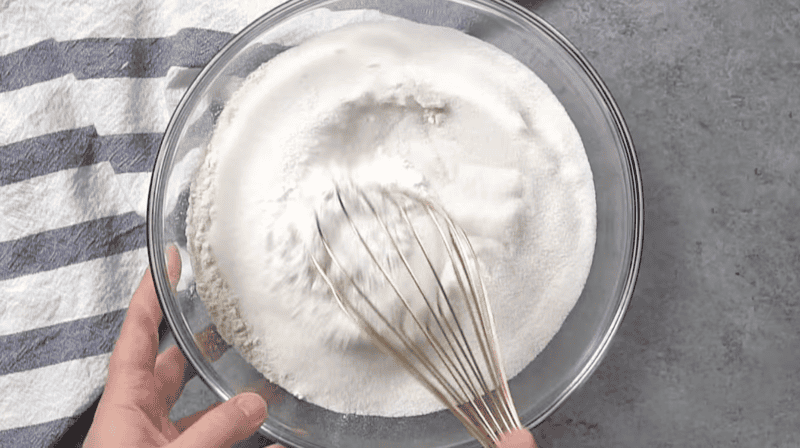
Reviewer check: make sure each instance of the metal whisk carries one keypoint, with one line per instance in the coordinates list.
(408, 276)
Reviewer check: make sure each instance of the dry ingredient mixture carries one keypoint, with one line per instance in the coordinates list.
(424, 108)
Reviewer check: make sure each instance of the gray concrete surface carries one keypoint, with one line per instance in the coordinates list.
(709, 352)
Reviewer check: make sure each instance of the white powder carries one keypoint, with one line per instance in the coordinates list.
(392, 102)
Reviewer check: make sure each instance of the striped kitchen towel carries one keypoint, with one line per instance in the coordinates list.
(86, 90)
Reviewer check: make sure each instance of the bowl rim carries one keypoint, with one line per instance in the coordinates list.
(637, 205)
(510, 10)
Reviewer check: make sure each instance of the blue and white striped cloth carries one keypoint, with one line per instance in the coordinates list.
(86, 90)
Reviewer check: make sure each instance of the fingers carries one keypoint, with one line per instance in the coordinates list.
(170, 373)
(518, 438)
(190, 420)
(228, 423)
(135, 352)
(137, 346)
(168, 429)
(173, 265)
(171, 366)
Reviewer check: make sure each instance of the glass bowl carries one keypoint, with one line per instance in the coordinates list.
(570, 357)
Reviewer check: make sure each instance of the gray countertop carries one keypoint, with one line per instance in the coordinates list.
(709, 352)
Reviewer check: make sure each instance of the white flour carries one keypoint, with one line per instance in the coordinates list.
(426, 108)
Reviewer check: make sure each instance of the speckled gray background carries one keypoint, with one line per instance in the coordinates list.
(709, 352)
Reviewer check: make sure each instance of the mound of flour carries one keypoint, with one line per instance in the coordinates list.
(424, 108)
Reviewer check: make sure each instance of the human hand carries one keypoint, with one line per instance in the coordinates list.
(142, 388)
(519, 438)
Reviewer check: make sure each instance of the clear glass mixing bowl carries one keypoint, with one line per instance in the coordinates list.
(569, 358)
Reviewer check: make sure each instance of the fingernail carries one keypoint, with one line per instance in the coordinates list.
(518, 438)
(252, 405)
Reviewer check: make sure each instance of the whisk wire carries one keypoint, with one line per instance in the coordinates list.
(478, 294)
(482, 403)
(461, 343)
(490, 334)
(489, 411)
(424, 329)
(453, 247)
(461, 374)
(450, 401)
(363, 322)
(405, 340)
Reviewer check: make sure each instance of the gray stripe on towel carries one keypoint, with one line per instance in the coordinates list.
(73, 148)
(74, 244)
(109, 57)
(41, 435)
(58, 343)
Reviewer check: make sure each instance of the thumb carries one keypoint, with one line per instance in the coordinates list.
(228, 423)
(518, 438)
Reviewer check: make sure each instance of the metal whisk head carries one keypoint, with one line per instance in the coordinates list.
(400, 267)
